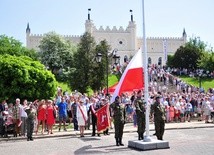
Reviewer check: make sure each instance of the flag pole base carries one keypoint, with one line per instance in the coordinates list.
(147, 139)
(152, 145)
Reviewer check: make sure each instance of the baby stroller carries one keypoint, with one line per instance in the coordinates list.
(9, 127)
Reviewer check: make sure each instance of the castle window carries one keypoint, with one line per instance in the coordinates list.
(159, 61)
(126, 58)
(149, 60)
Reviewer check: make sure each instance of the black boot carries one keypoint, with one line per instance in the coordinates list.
(139, 136)
(107, 132)
(120, 142)
(117, 142)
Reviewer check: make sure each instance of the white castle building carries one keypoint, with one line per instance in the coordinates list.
(124, 40)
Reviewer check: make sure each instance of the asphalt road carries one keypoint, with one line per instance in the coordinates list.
(181, 142)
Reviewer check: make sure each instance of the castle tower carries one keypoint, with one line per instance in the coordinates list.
(89, 24)
(184, 36)
(27, 34)
(132, 29)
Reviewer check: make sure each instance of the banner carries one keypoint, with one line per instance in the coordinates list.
(165, 49)
(103, 118)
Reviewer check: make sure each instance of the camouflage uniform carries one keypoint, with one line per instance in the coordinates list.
(159, 119)
(140, 111)
(30, 122)
(119, 120)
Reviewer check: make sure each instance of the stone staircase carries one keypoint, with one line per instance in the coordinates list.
(170, 87)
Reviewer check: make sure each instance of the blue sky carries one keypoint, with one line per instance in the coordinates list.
(164, 18)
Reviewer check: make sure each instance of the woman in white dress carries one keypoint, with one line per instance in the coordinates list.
(81, 116)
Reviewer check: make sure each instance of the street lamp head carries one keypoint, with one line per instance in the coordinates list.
(116, 59)
(114, 52)
(98, 57)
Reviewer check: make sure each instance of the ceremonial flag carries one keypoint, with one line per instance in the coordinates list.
(132, 78)
(103, 118)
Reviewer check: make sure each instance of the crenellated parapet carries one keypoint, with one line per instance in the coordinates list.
(107, 29)
(36, 35)
(163, 38)
(71, 36)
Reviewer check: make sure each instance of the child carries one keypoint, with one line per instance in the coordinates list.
(31, 112)
(199, 113)
(171, 113)
(182, 111)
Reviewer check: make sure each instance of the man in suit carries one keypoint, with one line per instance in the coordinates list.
(93, 108)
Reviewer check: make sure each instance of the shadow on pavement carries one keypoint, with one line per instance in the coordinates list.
(87, 150)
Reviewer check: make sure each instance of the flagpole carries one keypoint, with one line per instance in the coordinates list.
(145, 67)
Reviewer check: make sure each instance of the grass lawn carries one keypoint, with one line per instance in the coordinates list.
(112, 79)
(64, 86)
(206, 83)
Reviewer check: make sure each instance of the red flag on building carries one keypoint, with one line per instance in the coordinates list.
(103, 118)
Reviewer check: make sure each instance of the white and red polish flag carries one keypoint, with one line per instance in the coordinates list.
(132, 78)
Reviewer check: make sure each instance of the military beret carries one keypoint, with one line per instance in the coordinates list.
(157, 97)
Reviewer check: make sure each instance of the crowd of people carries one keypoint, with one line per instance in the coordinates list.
(40, 116)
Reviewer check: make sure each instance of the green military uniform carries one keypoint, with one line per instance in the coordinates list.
(119, 120)
(30, 122)
(159, 118)
(140, 111)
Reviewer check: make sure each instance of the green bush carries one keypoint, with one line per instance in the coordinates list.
(21, 77)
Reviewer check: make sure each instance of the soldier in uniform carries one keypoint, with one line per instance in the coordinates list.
(118, 110)
(140, 111)
(31, 113)
(159, 118)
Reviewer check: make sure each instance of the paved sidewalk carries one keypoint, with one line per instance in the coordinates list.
(129, 128)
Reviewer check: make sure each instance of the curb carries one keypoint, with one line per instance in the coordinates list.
(73, 135)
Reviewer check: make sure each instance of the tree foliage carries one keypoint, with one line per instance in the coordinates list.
(187, 56)
(11, 46)
(99, 73)
(83, 63)
(207, 61)
(56, 53)
(25, 78)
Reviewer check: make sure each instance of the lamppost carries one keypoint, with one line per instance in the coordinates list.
(199, 76)
(116, 58)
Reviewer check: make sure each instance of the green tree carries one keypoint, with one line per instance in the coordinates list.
(25, 78)
(170, 60)
(11, 46)
(83, 64)
(99, 72)
(187, 56)
(207, 61)
(56, 54)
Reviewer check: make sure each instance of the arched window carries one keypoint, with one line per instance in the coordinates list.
(126, 58)
(159, 61)
(149, 61)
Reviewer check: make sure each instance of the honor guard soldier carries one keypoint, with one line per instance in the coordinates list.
(31, 113)
(140, 111)
(118, 110)
(159, 117)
